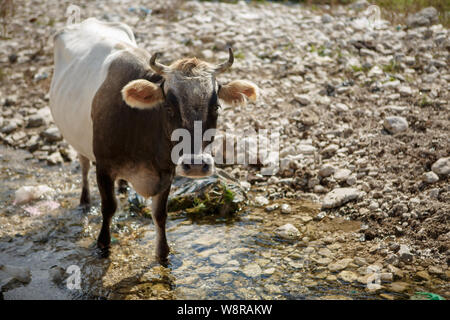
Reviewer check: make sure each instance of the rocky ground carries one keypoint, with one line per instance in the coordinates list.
(362, 108)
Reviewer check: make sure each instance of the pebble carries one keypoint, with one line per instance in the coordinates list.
(404, 253)
(339, 196)
(52, 134)
(288, 231)
(430, 177)
(326, 170)
(395, 124)
(339, 265)
(261, 201)
(347, 276)
(342, 175)
(285, 208)
(442, 166)
(252, 270)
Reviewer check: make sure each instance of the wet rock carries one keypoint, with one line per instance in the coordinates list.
(424, 17)
(422, 276)
(261, 201)
(339, 265)
(339, 196)
(320, 216)
(287, 231)
(442, 166)
(252, 270)
(395, 124)
(272, 207)
(399, 286)
(56, 274)
(285, 208)
(430, 177)
(13, 276)
(347, 276)
(219, 259)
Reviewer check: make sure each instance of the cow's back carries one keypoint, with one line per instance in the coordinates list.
(82, 54)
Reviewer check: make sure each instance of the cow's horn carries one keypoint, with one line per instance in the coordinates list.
(224, 66)
(156, 66)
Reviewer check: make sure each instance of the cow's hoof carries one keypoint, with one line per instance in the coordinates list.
(103, 252)
(84, 207)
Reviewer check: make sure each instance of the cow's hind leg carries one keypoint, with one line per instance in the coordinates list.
(85, 199)
(159, 214)
(105, 183)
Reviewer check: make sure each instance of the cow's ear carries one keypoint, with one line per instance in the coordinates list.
(237, 92)
(142, 94)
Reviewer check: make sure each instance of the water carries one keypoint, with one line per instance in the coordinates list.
(214, 257)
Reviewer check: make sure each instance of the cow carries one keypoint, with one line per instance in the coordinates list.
(118, 106)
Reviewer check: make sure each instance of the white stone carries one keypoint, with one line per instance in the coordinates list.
(430, 177)
(342, 174)
(395, 124)
(442, 166)
(287, 231)
(326, 170)
(339, 196)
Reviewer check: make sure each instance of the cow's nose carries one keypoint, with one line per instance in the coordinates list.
(195, 166)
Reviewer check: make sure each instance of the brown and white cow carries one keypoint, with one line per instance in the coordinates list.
(117, 106)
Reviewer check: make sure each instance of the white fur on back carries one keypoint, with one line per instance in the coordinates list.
(82, 54)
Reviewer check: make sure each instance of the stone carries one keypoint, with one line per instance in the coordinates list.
(422, 276)
(404, 253)
(399, 286)
(326, 18)
(35, 121)
(261, 201)
(424, 17)
(56, 274)
(219, 259)
(347, 276)
(288, 231)
(52, 134)
(55, 158)
(22, 274)
(394, 124)
(405, 91)
(302, 99)
(430, 177)
(339, 265)
(339, 196)
(285, 208)
(326, 170)
(252, 270)
(342, 175)
(442, 166)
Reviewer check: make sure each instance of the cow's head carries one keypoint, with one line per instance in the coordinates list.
(190, 94)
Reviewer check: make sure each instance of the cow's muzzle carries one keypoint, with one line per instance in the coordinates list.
(195, 165)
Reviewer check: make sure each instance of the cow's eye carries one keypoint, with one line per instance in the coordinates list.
(217, 107)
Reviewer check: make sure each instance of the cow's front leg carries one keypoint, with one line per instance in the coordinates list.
(159, 214)
(105, 184)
